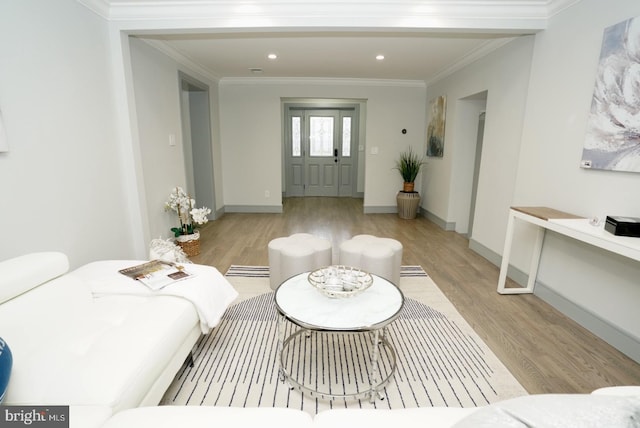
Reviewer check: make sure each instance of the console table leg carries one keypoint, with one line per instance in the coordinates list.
(535, 260)
(506, 254)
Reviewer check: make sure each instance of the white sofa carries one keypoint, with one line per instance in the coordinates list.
(611, 408)
(111, 358)
(265, 417)
(98, 354)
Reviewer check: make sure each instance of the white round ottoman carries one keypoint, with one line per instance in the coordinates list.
(300, 252)
(380, 256)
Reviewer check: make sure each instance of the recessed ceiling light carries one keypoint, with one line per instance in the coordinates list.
(379, 57)
(272, 56)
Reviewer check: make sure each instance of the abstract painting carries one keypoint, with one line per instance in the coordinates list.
(613, 129)
(435, 128)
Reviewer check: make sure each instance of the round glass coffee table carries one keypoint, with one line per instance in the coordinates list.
(365, 315)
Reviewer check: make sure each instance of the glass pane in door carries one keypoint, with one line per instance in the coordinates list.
(346, 137)
(296, 145)
(320, 136)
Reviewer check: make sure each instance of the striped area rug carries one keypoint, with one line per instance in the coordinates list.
(440, 360)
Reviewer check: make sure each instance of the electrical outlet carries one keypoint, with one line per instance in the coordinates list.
(267, 194)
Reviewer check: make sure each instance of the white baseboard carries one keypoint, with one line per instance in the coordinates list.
(218, 213)
(613, 335)
(253, 209)
(380, 209)
(445, 225)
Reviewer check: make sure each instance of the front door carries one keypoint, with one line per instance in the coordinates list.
(320, 152)
(321, 162)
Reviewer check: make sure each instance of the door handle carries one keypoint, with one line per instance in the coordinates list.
(335, 155)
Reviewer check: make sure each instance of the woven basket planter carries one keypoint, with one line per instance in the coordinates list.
(408, 204)
(190, 244)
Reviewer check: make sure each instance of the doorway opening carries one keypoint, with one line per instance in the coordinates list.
(196, 135)
(321, 144)
(471, 133)
(476, 171)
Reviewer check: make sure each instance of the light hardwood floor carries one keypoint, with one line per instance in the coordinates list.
(545, 351)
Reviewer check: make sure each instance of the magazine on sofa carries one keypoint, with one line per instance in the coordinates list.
(156, 274)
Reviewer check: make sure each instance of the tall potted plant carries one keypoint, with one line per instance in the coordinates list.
(409, 165)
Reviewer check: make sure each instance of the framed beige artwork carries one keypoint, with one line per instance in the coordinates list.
(435, 126)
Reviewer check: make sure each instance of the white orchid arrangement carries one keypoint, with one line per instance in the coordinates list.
(180, 202)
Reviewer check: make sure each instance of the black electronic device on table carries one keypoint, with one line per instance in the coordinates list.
(623, 226)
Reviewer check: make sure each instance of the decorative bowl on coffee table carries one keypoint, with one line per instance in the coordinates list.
(340, 281)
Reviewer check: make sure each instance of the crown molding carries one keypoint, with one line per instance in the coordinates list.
(100, 7)
(289, 81)
(531, 15)
(557, 6)
(478, 53)
(182, 59)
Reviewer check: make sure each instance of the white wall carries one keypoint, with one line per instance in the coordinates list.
(539, 93)
(157, 100)
(251, 134)
(563, 77)
(61, 180)
(504, 74)
(156, 89)
(590, 281)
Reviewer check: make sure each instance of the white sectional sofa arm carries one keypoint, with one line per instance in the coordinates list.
(71, 347)
(207, 417)
(617, 407)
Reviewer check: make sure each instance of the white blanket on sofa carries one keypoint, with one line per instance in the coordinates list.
(208, 290)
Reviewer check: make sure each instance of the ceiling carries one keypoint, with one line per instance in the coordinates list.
(331, 55)
(420, 40)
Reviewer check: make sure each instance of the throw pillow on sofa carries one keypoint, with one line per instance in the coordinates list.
(557, 410)
(6, 362)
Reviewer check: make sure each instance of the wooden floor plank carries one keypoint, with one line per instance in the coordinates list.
(545, 350)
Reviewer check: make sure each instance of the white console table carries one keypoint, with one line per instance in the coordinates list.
(564, 224)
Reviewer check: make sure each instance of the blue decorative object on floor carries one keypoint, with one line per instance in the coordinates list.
(6, 362)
